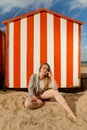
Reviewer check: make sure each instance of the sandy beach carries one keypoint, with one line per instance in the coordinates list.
(14, 116)
(52, 116)
(84, 68)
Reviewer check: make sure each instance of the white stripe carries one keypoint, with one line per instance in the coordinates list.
(75, 55)
(23, 53)
(63, 31)
(11, 55)
(36, 42)
(50, 40)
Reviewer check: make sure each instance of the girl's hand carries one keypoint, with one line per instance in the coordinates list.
(49, 74)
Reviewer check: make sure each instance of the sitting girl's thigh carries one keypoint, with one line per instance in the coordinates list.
(47, 94)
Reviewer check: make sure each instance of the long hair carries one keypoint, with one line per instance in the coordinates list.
(47, 79)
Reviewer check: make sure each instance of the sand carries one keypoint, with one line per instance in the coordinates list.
(14, 116)
(52, 116)
(84, 68)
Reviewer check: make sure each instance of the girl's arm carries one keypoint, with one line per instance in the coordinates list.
(53, 83)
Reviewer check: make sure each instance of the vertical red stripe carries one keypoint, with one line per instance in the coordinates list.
(30, 46)
(17, 54)
(43, 37)
(79, 52)
(1, 56)
(4, 42)
(57, 53)
(6, 56)
(3, 53)
(69, 66)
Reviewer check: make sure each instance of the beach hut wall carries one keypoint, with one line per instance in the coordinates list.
(38, 37)
(2, 56)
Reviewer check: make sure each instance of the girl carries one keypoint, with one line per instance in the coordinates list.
(43, 86)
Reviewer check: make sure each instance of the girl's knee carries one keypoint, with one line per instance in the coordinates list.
(26, 104)
(32, 105)
(53, 91)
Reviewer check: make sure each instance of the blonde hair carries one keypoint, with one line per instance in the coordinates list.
(47, 79)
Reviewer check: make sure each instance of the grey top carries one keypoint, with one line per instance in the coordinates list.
(35, 85)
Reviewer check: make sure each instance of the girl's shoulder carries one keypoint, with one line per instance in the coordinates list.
(34, 76)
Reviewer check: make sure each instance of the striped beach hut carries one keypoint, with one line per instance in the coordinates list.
(2, 56)
(38, 37)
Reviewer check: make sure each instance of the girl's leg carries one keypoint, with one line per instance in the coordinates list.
(31, 103)
(55, 93)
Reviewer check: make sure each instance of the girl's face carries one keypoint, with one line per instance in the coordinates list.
(44, 70)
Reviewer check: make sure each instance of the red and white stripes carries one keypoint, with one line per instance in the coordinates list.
(39, 38)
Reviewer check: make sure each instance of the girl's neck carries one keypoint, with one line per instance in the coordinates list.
(41, 76)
